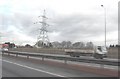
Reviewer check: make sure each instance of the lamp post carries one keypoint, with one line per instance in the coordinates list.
(105, 22)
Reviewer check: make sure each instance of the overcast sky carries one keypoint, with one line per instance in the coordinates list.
(69, 20)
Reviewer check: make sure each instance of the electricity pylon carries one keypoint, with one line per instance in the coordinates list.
(42, 39)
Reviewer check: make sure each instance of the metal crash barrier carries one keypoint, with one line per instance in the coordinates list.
(65, 59)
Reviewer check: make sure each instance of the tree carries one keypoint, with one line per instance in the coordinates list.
(89, 45)
(117, 45)
(110, 45)
(63, 43)
(28, 45)
(56, 44)
(50, 45)
(78, 45)
(40, 44)
(66, 44)
(10, 45)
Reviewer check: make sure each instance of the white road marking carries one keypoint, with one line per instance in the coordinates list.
(33, 68)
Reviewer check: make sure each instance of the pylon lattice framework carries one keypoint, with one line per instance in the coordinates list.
(43, 39)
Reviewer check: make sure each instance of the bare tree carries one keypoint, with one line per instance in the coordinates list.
(56, 44)
(66, 44)
(89, 45)
(78, 45)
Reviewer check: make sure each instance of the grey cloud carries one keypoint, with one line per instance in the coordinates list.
(22, 22)
(70, 27)
(81, 26)
(77, 24)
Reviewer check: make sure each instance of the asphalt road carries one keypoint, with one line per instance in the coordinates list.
(69, 62)
(22, 67)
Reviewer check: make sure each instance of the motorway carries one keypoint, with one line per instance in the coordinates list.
(70, 62)
(22, 67)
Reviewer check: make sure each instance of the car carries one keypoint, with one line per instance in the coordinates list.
(4, 49)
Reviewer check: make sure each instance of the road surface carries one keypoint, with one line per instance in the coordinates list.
(22, 67)
(70, 62)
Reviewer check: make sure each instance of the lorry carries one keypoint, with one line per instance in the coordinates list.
(98, 52)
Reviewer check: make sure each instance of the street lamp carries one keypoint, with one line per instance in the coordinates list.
(105, 22)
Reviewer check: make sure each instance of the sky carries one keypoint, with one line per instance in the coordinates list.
(69, 20)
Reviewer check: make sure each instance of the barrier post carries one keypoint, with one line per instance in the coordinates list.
(65, 61)
(16, 55)
(42, 58)
(8, 54)
(2, 53)
(27, 56)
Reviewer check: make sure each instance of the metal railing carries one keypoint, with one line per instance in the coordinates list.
(65, 59)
